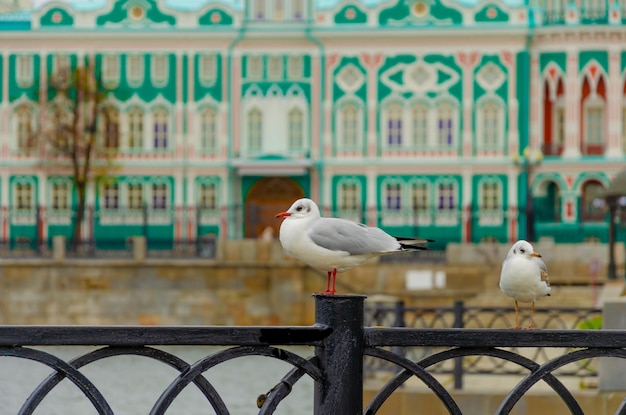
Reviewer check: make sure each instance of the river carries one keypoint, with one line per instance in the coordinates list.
(132, 384)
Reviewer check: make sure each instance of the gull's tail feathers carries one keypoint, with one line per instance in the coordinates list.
(416, 244)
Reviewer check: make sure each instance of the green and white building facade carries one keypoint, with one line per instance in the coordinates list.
(437, 117)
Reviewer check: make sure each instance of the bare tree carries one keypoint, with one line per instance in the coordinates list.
(78, 130)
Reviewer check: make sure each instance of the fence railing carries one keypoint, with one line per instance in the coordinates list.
(340, 341)
(461, 316)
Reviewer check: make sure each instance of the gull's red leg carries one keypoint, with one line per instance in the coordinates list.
(332, 291)
(328, 282)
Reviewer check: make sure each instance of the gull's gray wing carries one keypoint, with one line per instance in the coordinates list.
(354, 238)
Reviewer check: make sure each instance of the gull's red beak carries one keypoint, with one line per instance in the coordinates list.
(282, 215)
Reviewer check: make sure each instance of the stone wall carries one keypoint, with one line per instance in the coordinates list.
(249, 283)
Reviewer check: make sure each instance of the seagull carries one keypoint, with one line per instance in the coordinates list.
(524, 277)
(335, 245)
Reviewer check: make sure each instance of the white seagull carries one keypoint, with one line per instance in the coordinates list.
(524, 277)
(335, 245)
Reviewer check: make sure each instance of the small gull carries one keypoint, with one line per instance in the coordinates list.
(524, 277)
(335, 245)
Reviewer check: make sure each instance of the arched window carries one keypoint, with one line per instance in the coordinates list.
(554, 118)
(349, 127)
(135, 128)
(111, 128)
(208, 130)
(593, 103)
(207, 195)
(492, 126)
(393, 195)
(419, 120)
(445, 125)
(161, 123)
(553, 203)
(590, 209)
(24, 127)
(394, 125)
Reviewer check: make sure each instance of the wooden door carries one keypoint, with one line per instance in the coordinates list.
(265, 199)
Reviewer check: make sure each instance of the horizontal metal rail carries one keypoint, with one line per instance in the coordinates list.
(341, 343)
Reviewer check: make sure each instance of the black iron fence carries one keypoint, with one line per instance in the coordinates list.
(396, 314)
(340, 341)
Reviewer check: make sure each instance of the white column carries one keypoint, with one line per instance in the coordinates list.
(572, 109)
(614, 105)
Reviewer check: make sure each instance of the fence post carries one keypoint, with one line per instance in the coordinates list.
(340, 355)
(459, 309)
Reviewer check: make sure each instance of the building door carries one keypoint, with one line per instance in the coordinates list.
(265, 199)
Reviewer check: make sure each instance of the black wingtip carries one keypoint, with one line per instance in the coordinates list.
(414, 247)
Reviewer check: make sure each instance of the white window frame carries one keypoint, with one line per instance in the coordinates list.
(24, 195)
(207, 69)
(298, 11)
(208, 121)
(254, 67)
(446, 211)
(394, 125)
(258, 10)
(24, 126)
(159, 69)
(420, 126)
(349, 126)
(135, 198)
(136, 130)
(490, 202)
(295, 128)
(24, 70)
(110, 190)
(295, 67)
(275, 67)
(349, 194)
(110, 70)
(60, 195)
(208, 190)
(420, 200)
(446, 111)
(159, 195)
(135, 69)
(594, 105)
(160, 129)
(490, 122)
(254, 123)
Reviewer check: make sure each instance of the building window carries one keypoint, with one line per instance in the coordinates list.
(160, 129)
(111, 128)
(296, 124)
(394, 125)
(24, 127)
(254, 67)
(135, 128)
(24, 196)
(24, 70)
(255, 130)
(208, 130)
(393, 196)
(279, 9)
(420, 197)
(491, 121)
(295, 67)
(490, 196)
(160, 69)
(348, 196)
(297, 7)
(60, 195)
(445, 125)
(275, 67)
(419, 117)
(208, 69)
(60, 65)
(258, 10)
(110, 70)
(111, 196)
(159, 196)
(208, 196)
(594, 127)
(349, 124)
(591, 210)
(446, 197)
(135, 196)
(134, 69)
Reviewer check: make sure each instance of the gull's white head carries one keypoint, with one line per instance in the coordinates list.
(523, 248)
(301, 209)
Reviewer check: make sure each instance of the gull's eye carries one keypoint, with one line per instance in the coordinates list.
(523, 251)
(299, 208)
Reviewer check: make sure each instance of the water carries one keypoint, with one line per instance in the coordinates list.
(132, 384)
